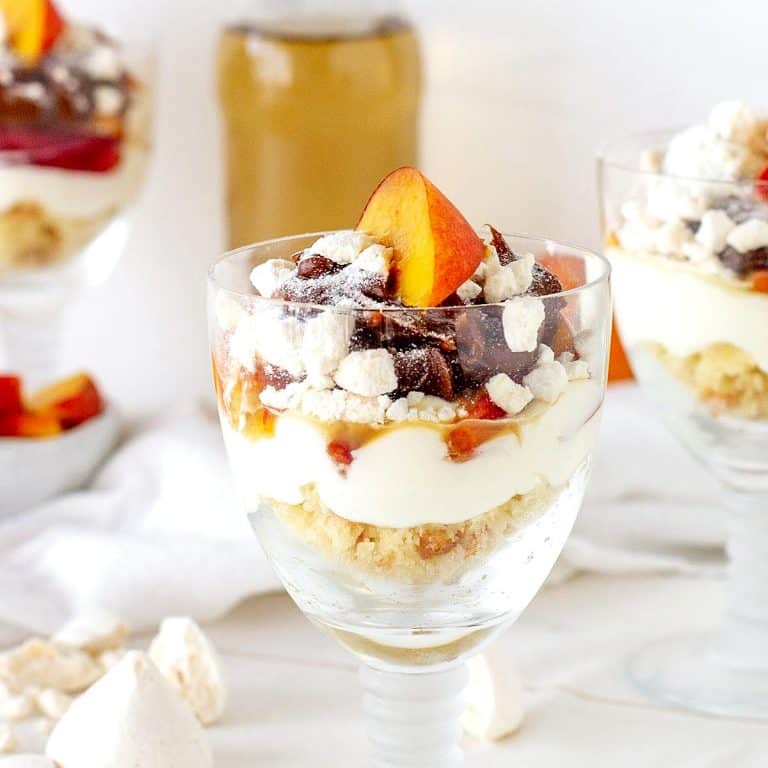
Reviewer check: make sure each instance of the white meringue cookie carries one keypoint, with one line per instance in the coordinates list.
(494, 697)
(131, 718)
(26, 761)
(187, 659)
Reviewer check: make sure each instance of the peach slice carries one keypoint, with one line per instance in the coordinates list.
(435, 249)
(10, 395)
(72, 401)
(33, 26)
(29, 425)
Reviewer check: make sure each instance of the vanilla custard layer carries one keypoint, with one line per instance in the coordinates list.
(68, 194)
(404, 478)
(666, 302)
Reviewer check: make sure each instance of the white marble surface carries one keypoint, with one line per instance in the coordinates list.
(295, 699)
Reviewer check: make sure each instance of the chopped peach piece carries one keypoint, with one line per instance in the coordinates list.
(29, 425)
(434, 247)
(33, 26)
(760, 280)
(10, 395)
(72, 401)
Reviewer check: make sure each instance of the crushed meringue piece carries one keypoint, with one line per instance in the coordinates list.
(93, 634)
(507, 394)
(53, 704)
(576, 369)
(43, 664)
(131, 717)
(15, 706)
(228, 312)
(342, 247)
(469, 291)
(187, 659)
(326, 343)
(545, 354)
(276, 340)
(375, 259)
(731, 145)
(547, 381)
(8, 741)
(368, 372)
(398, 411)
(749, 236)
(108, 100)
(282, 399)
(714, 229)
(494, 697)
(268, 278)
(431, 408)
(108, 659)
(414, 398)
(338, 405)
(521, 320)
(513, 279)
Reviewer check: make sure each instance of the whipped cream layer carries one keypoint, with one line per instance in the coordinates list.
(673, 304)
(78, 194)
(403, 478)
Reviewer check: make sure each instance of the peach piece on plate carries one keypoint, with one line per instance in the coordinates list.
(72, 401)
(29, 425)
(435, 249)
(10, 395)
(33, 26)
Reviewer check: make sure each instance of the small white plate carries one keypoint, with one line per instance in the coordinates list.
(34, 470)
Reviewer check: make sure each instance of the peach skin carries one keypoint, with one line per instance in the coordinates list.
(435, 249)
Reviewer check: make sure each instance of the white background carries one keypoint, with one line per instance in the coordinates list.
(520, 96)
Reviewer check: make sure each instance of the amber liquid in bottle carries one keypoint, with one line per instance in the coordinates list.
(313, 118)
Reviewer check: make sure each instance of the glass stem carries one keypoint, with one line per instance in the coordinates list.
(32, 345)
(742, 639)
(414, 719)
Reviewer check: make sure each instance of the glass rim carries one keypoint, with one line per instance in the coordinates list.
(605, 158)
(215, 283)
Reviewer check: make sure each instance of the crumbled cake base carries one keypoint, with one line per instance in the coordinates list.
(31, 237)
(723, 376)
(417, 555)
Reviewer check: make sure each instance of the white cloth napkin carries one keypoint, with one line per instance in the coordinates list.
(160, 532)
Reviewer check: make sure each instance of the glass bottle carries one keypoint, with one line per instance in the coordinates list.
(319, 101)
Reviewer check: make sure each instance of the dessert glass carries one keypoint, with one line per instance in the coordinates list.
(697, 337)
(63, 230)
(412, 543)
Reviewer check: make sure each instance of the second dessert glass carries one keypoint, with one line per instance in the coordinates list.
(412, 542)
(693, 316)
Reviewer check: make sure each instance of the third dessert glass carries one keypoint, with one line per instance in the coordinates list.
(686, 226)
(409, 413)
(74, 134)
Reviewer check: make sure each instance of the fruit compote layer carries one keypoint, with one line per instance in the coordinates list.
(73, 138)
(402, 441)
(700, 249)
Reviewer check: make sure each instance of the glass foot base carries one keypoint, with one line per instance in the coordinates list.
(684, 671)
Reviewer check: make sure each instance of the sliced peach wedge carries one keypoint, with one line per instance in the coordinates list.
(435, 249)
(70, 401)
(33, 26)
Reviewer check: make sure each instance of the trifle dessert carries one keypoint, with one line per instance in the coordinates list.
(409, 407)
(686, 227)
(74, 125)
(687, 224)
